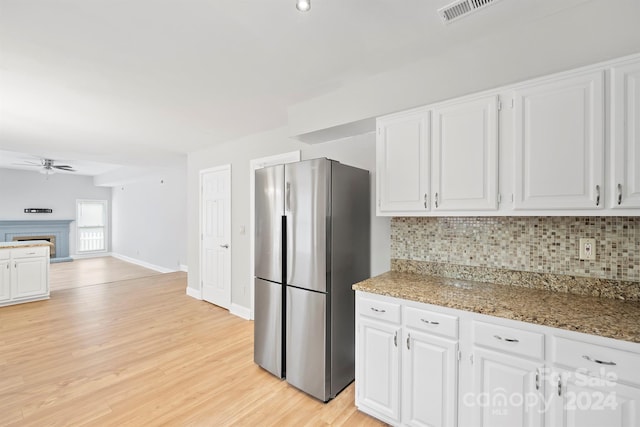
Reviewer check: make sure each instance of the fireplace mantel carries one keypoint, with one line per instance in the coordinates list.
(56, 227)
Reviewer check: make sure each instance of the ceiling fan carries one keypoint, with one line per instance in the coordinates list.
(48, 166)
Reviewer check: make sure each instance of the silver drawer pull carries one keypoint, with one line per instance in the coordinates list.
(619, 194)
(378, 310)
(498, 337)
(429, 322)
(601, 362)
(30, 253)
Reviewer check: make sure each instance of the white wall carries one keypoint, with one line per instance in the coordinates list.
(595, 31)
(21, 189)
(150, 219)
(357, 151)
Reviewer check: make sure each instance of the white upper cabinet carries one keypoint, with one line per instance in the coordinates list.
(624, 187)
(559, 143)
(403, 162)
(465, 155)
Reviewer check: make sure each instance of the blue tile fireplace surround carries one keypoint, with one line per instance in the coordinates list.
(56, 231)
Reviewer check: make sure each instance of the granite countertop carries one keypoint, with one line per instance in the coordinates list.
(25, 244)
(587, 314)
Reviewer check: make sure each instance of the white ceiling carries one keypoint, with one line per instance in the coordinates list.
(142, 82)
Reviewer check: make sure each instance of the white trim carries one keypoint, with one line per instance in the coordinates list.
(227, 167)
(90, 255)
(183, 267)
(107, 228)
(194, 293)
(290, 157)
(142, 263)
(240, 311)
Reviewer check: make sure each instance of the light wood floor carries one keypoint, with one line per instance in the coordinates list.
(141, 352)
(92, 271)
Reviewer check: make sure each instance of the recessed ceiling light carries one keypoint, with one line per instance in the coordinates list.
(303, 5)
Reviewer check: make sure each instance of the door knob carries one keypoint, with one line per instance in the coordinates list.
(226, 246)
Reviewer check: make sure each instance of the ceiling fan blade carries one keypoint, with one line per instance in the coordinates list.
(26, 163)
(64, 168)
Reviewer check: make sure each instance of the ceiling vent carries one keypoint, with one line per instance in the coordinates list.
(460, 8)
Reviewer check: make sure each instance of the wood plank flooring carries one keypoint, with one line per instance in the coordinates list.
(92, 271)
(140, 352)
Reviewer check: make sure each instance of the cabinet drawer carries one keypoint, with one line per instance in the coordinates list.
(512, 340)
(431, 322)
(593, 358)
(5, 254)
(382, 310)
(37, 251)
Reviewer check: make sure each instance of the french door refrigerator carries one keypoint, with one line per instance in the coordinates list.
(312, 242)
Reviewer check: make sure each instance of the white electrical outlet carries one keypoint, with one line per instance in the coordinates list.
(588, 249)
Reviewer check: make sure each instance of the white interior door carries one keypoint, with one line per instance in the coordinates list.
(215, 229)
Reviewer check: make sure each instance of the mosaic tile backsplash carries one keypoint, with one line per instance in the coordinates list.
(532, 244)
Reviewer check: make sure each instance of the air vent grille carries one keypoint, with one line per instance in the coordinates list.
(460, 8)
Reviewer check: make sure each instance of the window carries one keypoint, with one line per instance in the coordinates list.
(91, 220)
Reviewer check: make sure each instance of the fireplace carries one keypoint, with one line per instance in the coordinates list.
(50, 238)
(55, 231)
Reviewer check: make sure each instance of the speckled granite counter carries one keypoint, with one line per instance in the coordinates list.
(25, 244)
(591, 315)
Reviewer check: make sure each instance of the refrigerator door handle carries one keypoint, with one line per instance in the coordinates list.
(288, 197)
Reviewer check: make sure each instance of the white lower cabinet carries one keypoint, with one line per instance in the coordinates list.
(424, 365)
(406, 363)
(430, 380)
(593, 385)
(24, 274)
(5, 277)
(379, 379)
(505, 393)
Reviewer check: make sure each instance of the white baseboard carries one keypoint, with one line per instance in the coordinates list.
(240, 311)
(194, 293)
(91, 255)
(184, 268)
(142, 263)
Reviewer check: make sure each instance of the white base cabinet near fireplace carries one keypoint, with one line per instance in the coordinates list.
(24, 274)
(424, 365)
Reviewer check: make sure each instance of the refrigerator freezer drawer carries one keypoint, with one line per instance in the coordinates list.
(306, 354)
(267, 333)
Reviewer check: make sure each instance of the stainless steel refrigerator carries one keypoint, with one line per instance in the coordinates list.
(312, 242)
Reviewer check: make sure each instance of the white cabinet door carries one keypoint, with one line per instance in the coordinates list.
(402, 152)
(465, 155)
(559, 144)
(29, 277)
(430, 381)
(507, 391)
(378, 382)
(584, 401)
(5, 279)
(625, 136)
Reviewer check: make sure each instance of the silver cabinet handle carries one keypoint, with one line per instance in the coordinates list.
(600, 362)
(408, 340)
(395, 339)
(619, 194)
(597, 195)
(537, 379)
(226, 246)
(30, 253)
(429, 322)
(559, 386)
(436, 200)
(378, 310)
(425, 200)
(8, 266)
(498, 337)
(288, 197)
